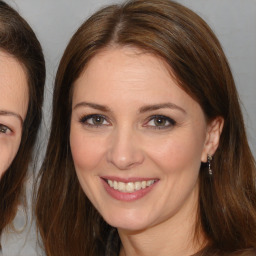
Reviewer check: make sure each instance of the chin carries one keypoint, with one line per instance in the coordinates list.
(130, 226)
(127, 221)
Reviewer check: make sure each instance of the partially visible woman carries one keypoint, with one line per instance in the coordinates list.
(148, 153)
(22, 77)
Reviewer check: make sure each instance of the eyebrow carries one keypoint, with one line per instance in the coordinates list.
(10, 113)
(143, 109)
(92, 105)
(160, 106)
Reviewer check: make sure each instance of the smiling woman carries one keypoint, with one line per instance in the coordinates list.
(148, 153)
(22, 76)
(144, 148)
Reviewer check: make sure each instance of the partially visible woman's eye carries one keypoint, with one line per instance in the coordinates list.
(4, 129)
(94, 120)
(160, 122)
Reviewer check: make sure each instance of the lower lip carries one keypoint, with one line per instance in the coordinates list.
(121, 196)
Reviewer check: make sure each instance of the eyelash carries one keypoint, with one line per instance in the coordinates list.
(163, 118)
(5, 129)
(84, 120)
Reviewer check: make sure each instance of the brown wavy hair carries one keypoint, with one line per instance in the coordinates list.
(18, 40)
(67, 221)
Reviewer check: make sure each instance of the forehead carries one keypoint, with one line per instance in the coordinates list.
(126, 71)
(13, 85)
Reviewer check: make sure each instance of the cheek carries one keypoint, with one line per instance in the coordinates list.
(86, 150)
(5, 160)
(8, 149)
(177, 153)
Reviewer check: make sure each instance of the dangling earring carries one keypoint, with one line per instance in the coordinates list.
(209, 159)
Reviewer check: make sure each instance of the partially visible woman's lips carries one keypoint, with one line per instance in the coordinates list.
(128, 189)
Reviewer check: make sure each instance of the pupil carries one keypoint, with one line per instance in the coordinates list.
(159, 121)
(3, 129)
(98, 120)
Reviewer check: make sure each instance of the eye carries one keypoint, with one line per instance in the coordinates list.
(94, 120)
(4, 129)
(160, 122)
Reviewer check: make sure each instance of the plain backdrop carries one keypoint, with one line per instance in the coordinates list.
(54, 22)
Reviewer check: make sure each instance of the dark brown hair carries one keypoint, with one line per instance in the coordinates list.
(18, 40)
(67, 221)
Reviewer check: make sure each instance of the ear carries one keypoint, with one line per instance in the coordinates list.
(214, 129)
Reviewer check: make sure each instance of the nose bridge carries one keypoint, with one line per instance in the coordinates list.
(124, 151)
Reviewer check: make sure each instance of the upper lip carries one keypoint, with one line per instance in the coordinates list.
(126, 180)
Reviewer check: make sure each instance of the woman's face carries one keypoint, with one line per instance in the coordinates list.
(13, 107)
(137, 140)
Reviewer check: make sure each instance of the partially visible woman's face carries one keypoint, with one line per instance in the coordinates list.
(137, 140)
(13, 108)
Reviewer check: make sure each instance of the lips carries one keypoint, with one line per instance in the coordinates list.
(129, 187)
(128, 190)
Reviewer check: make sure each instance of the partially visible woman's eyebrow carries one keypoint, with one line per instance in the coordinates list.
(159, 106)
(92, 105)
(143, 109)
(10, 113)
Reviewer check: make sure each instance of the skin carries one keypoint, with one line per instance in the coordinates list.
(13, 107)
(128, 144)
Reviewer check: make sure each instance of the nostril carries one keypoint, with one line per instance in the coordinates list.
(124, 151)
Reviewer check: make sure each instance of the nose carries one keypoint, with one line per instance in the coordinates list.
(125, 150)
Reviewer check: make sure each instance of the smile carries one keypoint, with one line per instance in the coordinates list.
(129, 187)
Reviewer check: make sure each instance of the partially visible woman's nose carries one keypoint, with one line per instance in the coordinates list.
(125, 151)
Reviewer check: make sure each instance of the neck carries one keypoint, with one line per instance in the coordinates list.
(174, 236)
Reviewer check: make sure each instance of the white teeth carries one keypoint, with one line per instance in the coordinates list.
(115, 184)
(150, 182)
(129, 187)
(137, 185)
(110, 182)
(121, 186)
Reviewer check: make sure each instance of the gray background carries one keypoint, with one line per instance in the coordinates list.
(54, 21)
